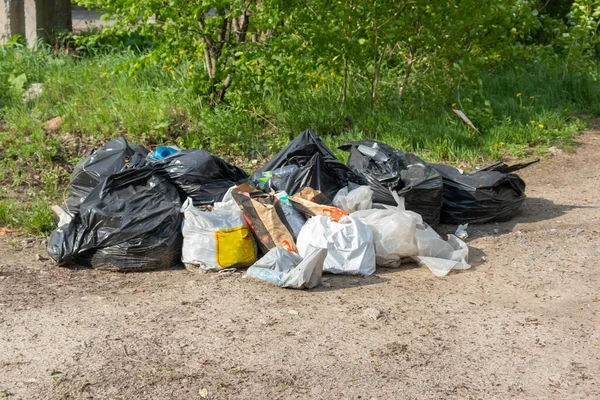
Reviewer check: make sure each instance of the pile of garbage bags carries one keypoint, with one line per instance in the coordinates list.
(303, 214)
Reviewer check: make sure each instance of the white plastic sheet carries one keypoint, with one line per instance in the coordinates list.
(438, 255)
(360, 198)
(213, 240)
(287, 269)
(349, 244)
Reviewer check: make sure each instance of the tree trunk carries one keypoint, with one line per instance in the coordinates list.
(345, 95)
(230, 28)
(409, 63)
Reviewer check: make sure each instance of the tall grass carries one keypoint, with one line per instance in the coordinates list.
(520, 111)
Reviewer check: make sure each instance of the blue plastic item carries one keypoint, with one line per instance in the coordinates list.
(164, 152)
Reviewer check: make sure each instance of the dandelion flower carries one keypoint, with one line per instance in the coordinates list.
(175, 60)
(181, 52)
(541, 126)
(104, 73)
(164, 67)
(532, 97)
(331, 74)
(190, 73)
(91, 63)
(316, 85)
(192, 66)
(453, 105)
(532, 121)
(518, 94)
(323, 78)
(260, 61)
(501, 143)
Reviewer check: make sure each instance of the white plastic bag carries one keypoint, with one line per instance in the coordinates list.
(438, 255)
(394, 234)
(349, 244)
(360, 198)
(287, 269)
(216, 239)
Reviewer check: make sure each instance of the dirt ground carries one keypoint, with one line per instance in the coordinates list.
(522, 323)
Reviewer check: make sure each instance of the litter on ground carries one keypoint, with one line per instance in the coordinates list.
(304, 213)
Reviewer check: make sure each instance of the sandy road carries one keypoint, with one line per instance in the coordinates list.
(522, 323)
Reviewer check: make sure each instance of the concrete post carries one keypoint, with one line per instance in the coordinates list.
(33, 19)
(12, 19)
(42, 17)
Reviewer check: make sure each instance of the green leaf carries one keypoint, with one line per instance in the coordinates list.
(17, 82)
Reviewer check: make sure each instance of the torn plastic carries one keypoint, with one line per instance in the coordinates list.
(490, 193)
(200, 175)
(350, 200)
(315, 166)
(217, 239)
(112, 157)
(438, 255)
(349, 244)
(129, 222)
(287, 269)
(389, 170)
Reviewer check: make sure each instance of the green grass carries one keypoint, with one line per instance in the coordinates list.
(157, 106)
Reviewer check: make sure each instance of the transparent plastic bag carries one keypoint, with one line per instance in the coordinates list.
(357, 199)
(438, 255)
(213, 240)
(394, 234)
(287, 269)
(349, 244)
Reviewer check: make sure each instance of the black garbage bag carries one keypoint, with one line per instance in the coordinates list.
(490, 193)
(200, 175)
(112, 157)
(130, 221)
(389, 170)
(307, 162)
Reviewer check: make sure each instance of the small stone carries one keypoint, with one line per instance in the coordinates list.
(29, 240)
(326, 284)
(204, 393)
(254, 162)
(552, 230)
(341, 309)
(579, 230)
(38, 257)
(554, 150)
(372, 313)
(54, 124)
(496, 231)
(483, 258)
(293, 312)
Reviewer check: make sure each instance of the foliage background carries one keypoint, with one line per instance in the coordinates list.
(240, 78)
